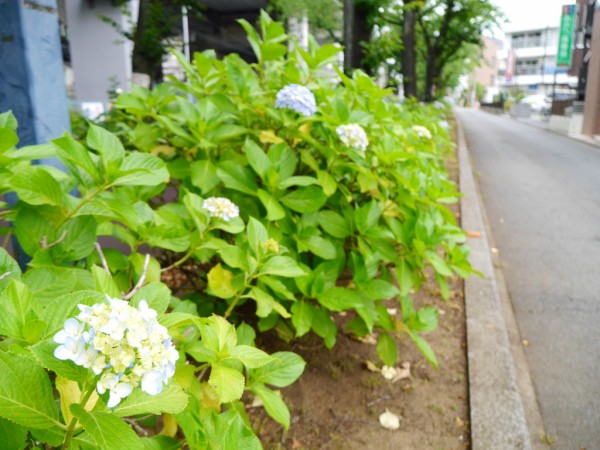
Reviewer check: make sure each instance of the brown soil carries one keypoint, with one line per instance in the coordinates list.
(337, 402)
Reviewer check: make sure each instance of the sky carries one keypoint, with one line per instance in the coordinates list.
(531, 13)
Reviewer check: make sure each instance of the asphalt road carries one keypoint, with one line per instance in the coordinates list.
(541, 192)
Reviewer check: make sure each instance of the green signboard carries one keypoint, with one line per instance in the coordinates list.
(565, 38)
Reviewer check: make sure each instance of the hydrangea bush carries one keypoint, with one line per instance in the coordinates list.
(282, 185)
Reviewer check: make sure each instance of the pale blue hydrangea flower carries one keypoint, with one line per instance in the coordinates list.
(221, 208)
(125, 346)
(353, 136)
(297, 98)
(421, 131)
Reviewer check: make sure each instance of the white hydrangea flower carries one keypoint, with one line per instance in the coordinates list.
(297, 98)
(353, 136)
(222, 208)
(421, 131)
(125, 346)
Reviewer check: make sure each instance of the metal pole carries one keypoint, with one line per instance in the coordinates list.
(186, 32)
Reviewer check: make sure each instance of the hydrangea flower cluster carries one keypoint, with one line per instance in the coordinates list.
(221, 207)
(297, 98)
(353, 136)
(124, 345)
(421, 131)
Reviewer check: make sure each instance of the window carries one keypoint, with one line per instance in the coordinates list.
(524, 40)
(528, 66)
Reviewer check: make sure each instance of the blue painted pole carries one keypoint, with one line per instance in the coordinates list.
(32, 82)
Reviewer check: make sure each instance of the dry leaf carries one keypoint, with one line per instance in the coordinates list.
(494, 250)
(371, 366)
(392, 311)
(368, 339)
(459, 422)
(402, 373)
(269, 137)
(296, 444)
(389, 421)
(473, 234)
(525, 342)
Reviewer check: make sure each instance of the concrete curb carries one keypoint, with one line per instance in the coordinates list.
(498, 419)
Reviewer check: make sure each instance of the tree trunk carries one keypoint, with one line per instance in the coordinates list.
(144, 58)
(430, 75)
(356, 30)
(409, 59)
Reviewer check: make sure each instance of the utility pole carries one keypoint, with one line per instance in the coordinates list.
(591, 109)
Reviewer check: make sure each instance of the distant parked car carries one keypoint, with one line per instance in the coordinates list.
(538, 102)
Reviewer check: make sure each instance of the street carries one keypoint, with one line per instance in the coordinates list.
(541, 192)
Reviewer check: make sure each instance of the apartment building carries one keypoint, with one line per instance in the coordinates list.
(528, 62)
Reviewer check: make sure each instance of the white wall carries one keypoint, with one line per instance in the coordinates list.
(98, 52)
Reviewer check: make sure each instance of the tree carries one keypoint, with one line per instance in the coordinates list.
(158, 20)
(424, 38)
(446, 27)
(323, 15)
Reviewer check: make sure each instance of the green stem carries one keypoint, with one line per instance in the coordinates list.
(180, 261)
(71, 427)
(88, 198)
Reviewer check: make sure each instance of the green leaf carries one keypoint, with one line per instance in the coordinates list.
(8, 139)
(327, 182)
(323, 325)
(273, 404)
(218, 334)
(104, 282)
(274, 209)
(47, 283)
(334, 224)
(245, 334)
(265, 304)
(387, 350)
(425, 320)
(301, 318)
(425, 349)
(141, 169)
(438, 263)
(159, 442)
(26, 393)
(225, 131)
(322, 247)
(107, 144)
(109, 432)
(228, 382)
(79, 238)
(31, 226)
(298, 181)
(340, 299)
(34, 185)
(156, 294)
(8, 120)
(251, 357)
(72, 153)
(17, 307)
(234, 257)
(62, 307)
(13, 436)
(257, 234)
(305, 199)
(219, 282)
(404, 277)
(367, 217)
(237, 177)
(204, 175)
(257, 158)
(282, 372)
(379, 289)
(44, 353)
(9, 269)
(171, 400)
(272, 51)
(283, 266)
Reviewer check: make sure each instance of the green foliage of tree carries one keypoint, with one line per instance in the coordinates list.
(323, 15)
(444, 36)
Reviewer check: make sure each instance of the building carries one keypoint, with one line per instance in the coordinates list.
(487, 73)
(528, 63)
